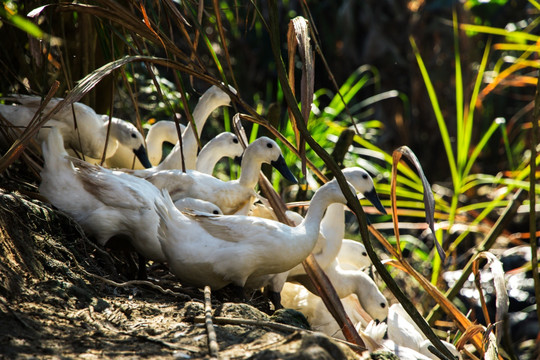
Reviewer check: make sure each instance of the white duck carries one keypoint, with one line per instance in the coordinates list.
(213, 98)
(232, 197)
(347, 283)
(106, 203)
(88, 138)
(225, 144)
(220, 250)
(158, 133)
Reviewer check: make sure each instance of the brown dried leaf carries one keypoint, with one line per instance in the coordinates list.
(429, 200)
(502, 301)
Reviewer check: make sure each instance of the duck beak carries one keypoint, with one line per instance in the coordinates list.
(283, 169)
(238, 160)
(374, 199)
(141, 154)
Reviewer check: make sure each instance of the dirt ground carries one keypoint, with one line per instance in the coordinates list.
(62, 297)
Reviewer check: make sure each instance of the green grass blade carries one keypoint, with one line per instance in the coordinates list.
(438, 114)
(22, 23)
(337, 105)
(482, 205)
(461, 149)
(483, 141)
(514, 36)
(467, 131)
(507, 149)
(535, 4)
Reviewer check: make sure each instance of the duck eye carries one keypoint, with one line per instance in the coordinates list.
(235, 140)
(365, 176)
(215, 212)
(269, 145)
(383, 305)
(364, 253)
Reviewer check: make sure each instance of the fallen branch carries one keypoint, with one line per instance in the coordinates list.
(140, 282)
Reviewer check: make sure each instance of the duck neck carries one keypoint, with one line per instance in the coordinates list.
(326, 195)
(202, 111)
(112, 141)
(159, 133)
(251, 166)
(207, 159)
(333, 229)
(154, 146)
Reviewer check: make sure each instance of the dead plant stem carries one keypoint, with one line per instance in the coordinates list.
(532, 197)
(270, 324)
(212, 337)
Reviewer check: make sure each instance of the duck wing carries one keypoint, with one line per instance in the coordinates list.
(114, 189)
(176, 182)
(237, 228)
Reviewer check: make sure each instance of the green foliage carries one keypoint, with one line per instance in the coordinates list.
(9, 13)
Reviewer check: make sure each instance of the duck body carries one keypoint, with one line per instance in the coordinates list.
(229, 196)
(218, 250)
(106, 203)
(84, 133)
(87, 122)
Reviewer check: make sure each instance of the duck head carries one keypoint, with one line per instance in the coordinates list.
(363, 183)
(269, 152)
(128, 135)
(230, 145)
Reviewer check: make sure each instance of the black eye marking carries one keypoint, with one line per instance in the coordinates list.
(365, 176)
(215, 212)
(235, 140)
(364, 253)
(269, 145)
(383, 305)
(133, 135)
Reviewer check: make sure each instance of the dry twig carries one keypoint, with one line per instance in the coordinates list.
(140, 282)
(212, 337)
(270, 324)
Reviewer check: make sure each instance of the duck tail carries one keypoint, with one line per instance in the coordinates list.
(164, 206)
(53, 149)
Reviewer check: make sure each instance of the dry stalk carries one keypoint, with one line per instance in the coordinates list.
(212, 337)
(140, 282)
(272, 325)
